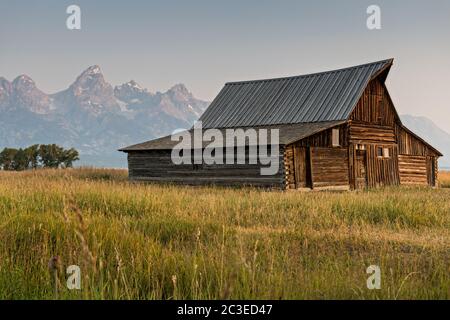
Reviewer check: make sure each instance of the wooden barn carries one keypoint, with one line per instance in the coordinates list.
(337, 130)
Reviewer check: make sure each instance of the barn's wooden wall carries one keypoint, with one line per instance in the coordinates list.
(379, 171)
(416, 160)
(382, 171)
(413, 169)
(329, 167)
(324, 138)
(289, 167)
(315, 167)
(432, 175)
(295, 163)
(157, 166)
(408, 144)
(360, 133)
(372, 126)
(375, 106)
(329, 164)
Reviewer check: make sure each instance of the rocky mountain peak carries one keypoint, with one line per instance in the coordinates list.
(180, 93)
(23, 82)
(24, 94)
(180, 88)
(89, 78)
(92, 70)
(133, 84)
(91, 92)
(5, 86)
(131, 92)
(5, 92)
(130, 86)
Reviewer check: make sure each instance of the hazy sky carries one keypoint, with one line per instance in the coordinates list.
(205, 43)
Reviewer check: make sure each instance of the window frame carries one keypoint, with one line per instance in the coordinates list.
(335, 137)
(382, 151)
(379, 152)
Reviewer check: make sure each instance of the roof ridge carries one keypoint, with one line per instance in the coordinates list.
(390, 60)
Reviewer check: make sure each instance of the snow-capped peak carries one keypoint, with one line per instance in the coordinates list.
(24, 79)
(134, 85)
(93, 70)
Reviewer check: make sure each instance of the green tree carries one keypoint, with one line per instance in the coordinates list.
(21, 161)
(68, 157)
(50, 155)
(35, 156)
(32, 153)
(7, 158)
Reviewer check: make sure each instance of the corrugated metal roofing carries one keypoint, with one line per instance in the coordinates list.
(287, 134)
(326, 96)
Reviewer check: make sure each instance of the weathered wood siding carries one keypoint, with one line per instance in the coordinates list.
(417, 162)
(307, 164)
(157, 166)
(381, 171)
(324, 138)
(329, 167)
(413, 169)
(361, 133)
(372, 126)
(410, 145)
(378, 171)
(375, 106)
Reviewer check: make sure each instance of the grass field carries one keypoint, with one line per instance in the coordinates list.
(135, 241)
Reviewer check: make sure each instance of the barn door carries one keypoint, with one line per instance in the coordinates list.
(360, 169)
(301, 167)
(431, 170)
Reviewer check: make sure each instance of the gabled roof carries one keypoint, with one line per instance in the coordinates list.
(318, 97)
(288, 134)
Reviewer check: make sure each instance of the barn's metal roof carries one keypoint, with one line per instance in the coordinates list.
(326, 96)
(287, 134)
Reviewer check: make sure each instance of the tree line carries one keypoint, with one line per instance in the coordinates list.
(37, 156)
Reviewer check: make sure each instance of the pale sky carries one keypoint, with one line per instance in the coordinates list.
(205, 43)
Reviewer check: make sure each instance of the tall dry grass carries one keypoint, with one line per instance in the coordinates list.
(444, 179)
(137, 241)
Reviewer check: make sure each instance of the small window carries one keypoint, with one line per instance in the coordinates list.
(383, 152)
(335, 138)
(379, 152)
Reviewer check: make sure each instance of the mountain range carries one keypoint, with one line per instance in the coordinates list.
(97, 119)
(92, 115)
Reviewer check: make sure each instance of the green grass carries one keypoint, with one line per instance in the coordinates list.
(137, 241)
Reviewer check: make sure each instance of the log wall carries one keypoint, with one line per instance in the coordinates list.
(157, 166)
(417, 162)
(329, 167)
(361, 133)
(413, 170)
